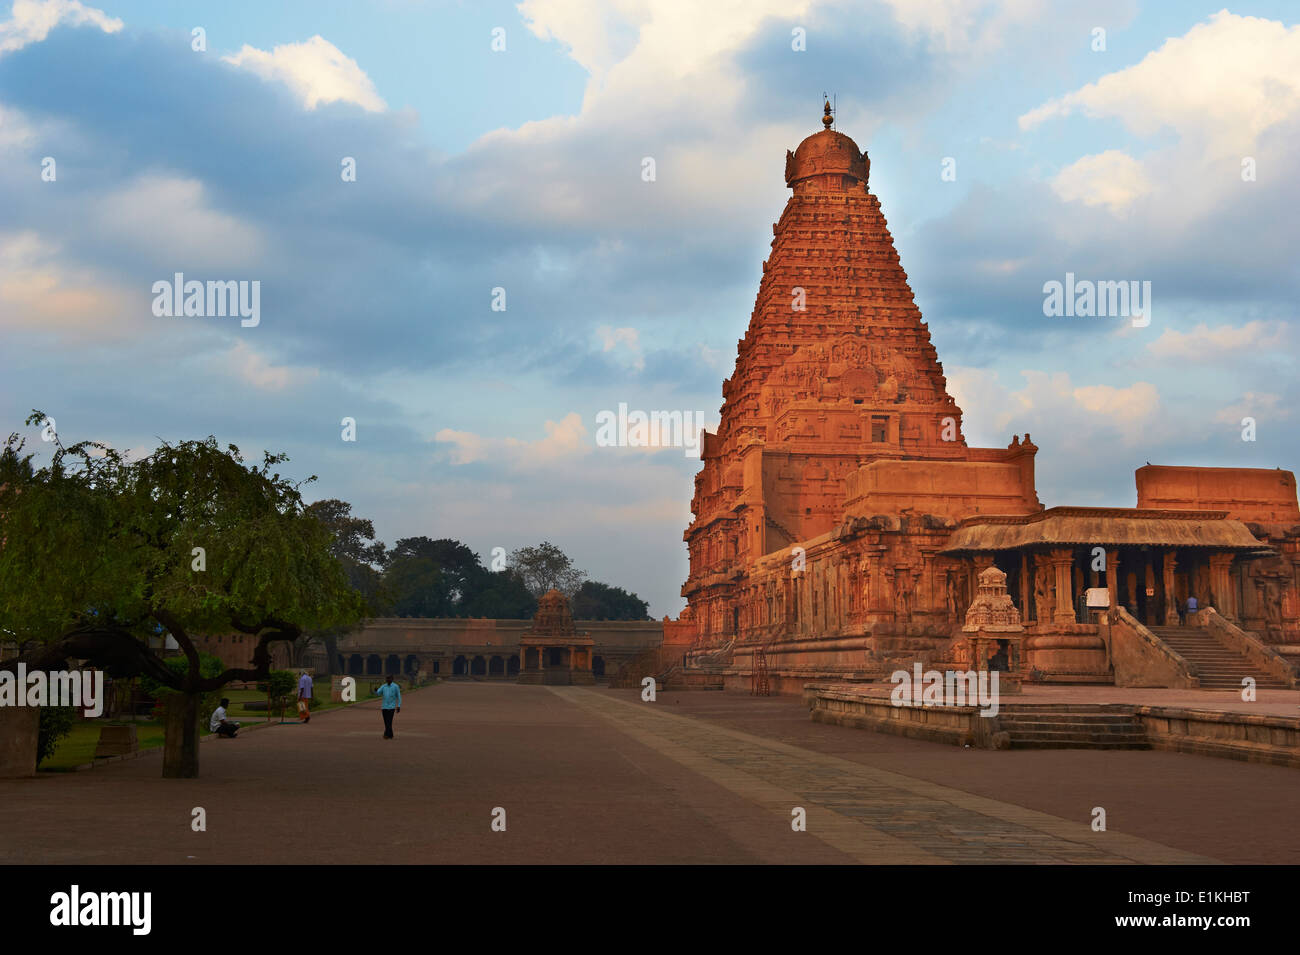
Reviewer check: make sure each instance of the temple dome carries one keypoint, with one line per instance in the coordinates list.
(826, 153)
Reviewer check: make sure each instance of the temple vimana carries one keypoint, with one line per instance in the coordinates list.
(841, 521)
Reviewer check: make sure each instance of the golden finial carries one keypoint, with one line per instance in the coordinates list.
(827, 119)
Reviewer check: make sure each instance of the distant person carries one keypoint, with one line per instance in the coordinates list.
(390, 701)
(1182, 613)
(1191, 606)
(304, 697)
(219, 724)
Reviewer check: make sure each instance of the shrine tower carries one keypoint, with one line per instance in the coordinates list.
(836, 371)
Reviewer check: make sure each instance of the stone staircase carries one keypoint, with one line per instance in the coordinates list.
(1218, 666)
(1071, 726)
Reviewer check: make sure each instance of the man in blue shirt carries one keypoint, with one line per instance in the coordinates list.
(304, 697)
(390, 700)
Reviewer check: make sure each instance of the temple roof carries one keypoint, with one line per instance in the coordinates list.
(1115, 527)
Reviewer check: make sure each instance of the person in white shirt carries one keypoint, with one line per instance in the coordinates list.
(219, 724)
(304, 697)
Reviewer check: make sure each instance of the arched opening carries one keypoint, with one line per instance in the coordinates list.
(356, 666)
(496, 667)
(411, 665)
(374, 665)
(512, 667)
(343, 664)
(478, 667)
(459, 667)
(598, 666)
(436, 666)
(393, 664)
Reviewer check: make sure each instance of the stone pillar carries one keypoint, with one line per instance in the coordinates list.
(1062, 563)
(1171, 593)
(19, 727)
(875, 582)
(1026, 586)
(1224, 600)
(1112, 576)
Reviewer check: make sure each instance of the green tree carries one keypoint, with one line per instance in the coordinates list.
(353, 544)
(186, 540)
(546, 567)
(597, 601)
(502, 595)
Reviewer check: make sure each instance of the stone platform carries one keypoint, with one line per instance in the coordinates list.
(1207, 724)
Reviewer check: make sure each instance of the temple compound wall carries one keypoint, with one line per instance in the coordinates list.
(841, 521)
(449, 646)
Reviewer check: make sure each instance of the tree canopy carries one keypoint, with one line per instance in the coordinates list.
(101, 552)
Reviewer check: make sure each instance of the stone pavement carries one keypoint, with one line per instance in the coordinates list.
(595, 775)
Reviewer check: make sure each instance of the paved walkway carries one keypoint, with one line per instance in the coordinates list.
(595, 775)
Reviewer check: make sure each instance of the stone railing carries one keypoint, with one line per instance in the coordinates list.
(1140, 658)
(1259, 653)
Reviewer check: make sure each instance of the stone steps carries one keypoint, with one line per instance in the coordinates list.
(1066, 729)
(1219, 667)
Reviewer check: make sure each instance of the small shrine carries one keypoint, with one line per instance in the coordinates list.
(993, 633)
(552, 651)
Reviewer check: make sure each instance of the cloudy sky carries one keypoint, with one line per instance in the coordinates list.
(1113, 140)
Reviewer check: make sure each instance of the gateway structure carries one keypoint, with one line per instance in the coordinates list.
(841, 521)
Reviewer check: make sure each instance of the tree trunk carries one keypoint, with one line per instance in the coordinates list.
(181, 742)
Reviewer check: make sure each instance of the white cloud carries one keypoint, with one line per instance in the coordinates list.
(316, 71)
(629, 338)
(1113, 179)
(1207, 344)
(41, 292)
(564, 439)
(1254, 404)
(256, 370)
(170, 219)
(1220, 86)
(31, 21)
(1052, 403)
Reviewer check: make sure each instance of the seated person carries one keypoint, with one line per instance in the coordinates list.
(219, 724)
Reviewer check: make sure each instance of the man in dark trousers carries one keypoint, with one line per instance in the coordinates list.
(390, 701)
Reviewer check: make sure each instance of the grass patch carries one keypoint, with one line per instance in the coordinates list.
(78, 747)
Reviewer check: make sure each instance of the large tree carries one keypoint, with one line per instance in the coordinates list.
(353, 544)
(597, 601)
(546, 567)
(100, 552)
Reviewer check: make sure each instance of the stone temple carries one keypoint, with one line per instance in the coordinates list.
(841, 521)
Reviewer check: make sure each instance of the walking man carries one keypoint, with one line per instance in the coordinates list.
(304, 697)
(390, 700)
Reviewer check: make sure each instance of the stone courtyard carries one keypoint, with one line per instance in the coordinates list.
(595, 775)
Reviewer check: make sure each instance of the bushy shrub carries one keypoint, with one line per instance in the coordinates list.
(56, 723)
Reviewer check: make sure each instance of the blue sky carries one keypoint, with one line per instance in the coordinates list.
(521, 169)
